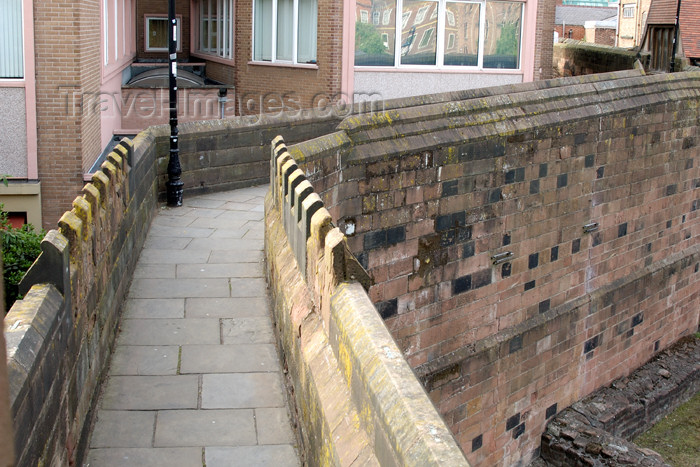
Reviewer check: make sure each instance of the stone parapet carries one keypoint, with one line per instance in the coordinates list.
(336, 343)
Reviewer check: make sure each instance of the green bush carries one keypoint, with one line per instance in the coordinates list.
(20, 247)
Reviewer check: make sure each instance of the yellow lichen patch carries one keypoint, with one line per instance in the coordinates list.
(101, 182)
(71, 227)
(116, 159)
(83, 211)
(109, 169)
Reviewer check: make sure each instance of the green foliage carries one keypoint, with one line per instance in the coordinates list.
(508, 41)
(20, 247)
(368, 39)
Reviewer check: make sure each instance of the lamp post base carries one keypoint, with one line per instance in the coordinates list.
(174, 192)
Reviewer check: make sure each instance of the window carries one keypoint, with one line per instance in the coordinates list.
(215, 28)
(285, 31)
(12, 43)
(628, 10)
(118, 31)
(364, 16)
(157, 34)
(387, 17)
(444, 33)
(375, 18)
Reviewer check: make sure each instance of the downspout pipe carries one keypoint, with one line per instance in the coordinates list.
(675, 39)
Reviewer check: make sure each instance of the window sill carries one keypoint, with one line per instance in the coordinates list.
(304, 66)
(213, 58)
(434, 69)
(12, 83)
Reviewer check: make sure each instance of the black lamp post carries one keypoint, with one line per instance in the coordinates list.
(174, 184)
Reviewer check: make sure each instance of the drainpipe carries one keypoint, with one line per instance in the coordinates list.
(675, 39)
(174, 185)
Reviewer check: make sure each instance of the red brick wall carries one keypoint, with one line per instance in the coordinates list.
(296, 87)
(160, 8)
(570, 310)
(577, 32)
(544, 39)
(68, 74)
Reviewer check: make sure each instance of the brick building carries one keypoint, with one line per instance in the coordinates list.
(73, 75)
(660, 28)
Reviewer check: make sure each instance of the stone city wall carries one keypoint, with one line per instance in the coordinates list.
(357, 399)
(527, 244)
(573, 58)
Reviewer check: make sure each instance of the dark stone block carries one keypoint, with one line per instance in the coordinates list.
(529, 285)
(520, 174)
(462, 284)
(506, 239)
(534, 187)
(543, 170)
(464, 234)
(506, 269)
(589, 161)
(443, 223)
(510, 177)
(551, 411)
(544, 305)
(468, 250)
(554, 254)
(669, 224)
(688, 164)
(387, 308)
(671, 189)
(477, 442)
(591, 344)
(515, 344)
(495, 195)
(688, 142)
(450, 188)
(519, 430)
(597, 239)
(533, 260)
(448, 238)
(637, 319)
(562, 180)
(622, 230)
(579, 138)
(656, 346)
(372, 240)
(481, 278)
(600, 173)
(575, 246)
(513, 421)
(395, 235)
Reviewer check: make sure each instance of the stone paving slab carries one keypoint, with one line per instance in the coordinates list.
(205, 428)
(232, 307)
(242, 390)
(268, 456)
(195, 377)
(229, 358)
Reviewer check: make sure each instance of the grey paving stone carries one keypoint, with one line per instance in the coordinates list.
(166, 243)
(154, 271)
(251, 456)
(247, 331)
(219, 270)
(202, 202)
(229, 358)
(154, 308)
(205, 428)
(171, 231)
(173, 221)
(218, 223)
(234, 307)
(273, 426)
(242, 390)
(167, 211)
(232, 213)
(223, 256)
(207, 212)
(144, 360)
(170, 331)
(151, 392)
(140, 457)
(254, 235)
(179, 288)
(123, 429)
(248, 287)
(229, 233)
(173, 256)
(224, 244)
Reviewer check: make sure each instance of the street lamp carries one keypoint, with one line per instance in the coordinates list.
(174, 185)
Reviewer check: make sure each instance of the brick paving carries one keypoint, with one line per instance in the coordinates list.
(195, 377)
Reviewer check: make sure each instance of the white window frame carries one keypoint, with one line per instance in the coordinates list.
(224, 47)
(628, 10)
(402, 22)
(364, 16)
(420, 16)
(147, 35)
(425, 40)
(387, 16)
(295, 37)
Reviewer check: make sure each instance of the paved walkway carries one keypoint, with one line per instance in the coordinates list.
(195, 378)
